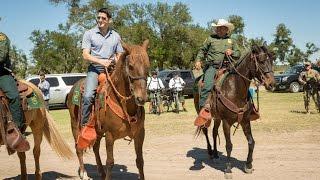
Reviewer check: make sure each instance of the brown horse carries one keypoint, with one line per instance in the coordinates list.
(41, 122)
(232, 96)
(129, 91)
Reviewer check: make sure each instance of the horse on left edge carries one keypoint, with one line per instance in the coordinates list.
(40, 122)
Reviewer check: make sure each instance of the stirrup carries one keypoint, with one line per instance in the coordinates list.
(15, 140)
(204, 117)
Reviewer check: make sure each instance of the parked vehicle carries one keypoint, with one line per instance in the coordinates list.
(60, 86)
(288, 80)
(186, 75)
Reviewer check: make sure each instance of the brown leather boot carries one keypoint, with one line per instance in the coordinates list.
(204, 117)
(15, 140)
(254, 115)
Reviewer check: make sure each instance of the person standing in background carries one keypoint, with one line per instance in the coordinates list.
(44, 86)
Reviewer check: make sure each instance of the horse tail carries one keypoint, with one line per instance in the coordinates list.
(54, 138)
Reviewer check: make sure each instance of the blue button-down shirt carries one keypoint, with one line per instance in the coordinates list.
(103, 47)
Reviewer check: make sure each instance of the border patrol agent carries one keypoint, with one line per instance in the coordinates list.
(7, 83)
(213, 53)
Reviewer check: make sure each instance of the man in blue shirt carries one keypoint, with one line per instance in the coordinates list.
(100, 45)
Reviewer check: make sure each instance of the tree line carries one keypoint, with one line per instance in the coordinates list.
(175, 38)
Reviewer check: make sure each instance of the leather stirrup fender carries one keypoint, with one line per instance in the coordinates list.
(204, 118)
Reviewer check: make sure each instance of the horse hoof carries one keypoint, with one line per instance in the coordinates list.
(247, 170)
(38, 176)
(228, 175)
(85, 176)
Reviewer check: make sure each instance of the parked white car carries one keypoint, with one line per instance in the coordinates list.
(60, 86)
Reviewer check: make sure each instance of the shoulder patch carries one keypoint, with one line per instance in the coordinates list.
(229, 41)
(2, 37)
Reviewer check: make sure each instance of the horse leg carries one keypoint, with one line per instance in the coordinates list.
(37, 136)
(306, 101)
(209, 147)
(315, 99)
(22, 157)
(246, 126)
(226, 130)
(318, 100)
(214, 135)
(138, 143)
(82, 171)
(96, 148)
(110, 160)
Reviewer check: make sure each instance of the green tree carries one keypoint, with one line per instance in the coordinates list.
(282, 41)
(295, 55)
(311, 48)
(56, 51)
(19, 61)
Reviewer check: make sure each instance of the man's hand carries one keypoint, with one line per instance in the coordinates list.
(228, 52)
(104, 62)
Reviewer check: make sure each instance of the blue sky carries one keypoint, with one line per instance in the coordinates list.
(21, 17)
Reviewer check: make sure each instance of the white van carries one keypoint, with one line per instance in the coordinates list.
(60, 86)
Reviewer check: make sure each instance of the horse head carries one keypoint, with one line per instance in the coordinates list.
(263, 62)
(137, 66)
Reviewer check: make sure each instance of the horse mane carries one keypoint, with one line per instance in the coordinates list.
(247, 52)
(121, 63)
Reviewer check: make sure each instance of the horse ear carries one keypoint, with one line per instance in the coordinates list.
(265, 44)
(145, 44)
(255, 48)
(126, 47)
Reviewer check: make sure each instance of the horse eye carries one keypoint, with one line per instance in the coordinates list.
(130, 67)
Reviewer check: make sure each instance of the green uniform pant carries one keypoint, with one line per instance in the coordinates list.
(9, 87)
(208, 85)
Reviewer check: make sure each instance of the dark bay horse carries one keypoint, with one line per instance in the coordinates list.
(127, 90)
(233, 92)
(41, 123)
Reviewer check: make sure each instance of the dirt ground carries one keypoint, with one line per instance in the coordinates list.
(276, 156)
(287, 147)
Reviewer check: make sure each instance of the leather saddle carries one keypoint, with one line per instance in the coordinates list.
(11, 136)
(24, 90)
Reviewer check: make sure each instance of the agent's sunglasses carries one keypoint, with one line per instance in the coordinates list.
(100, 17)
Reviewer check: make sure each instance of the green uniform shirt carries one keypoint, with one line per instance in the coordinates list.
(317, 68)
(214, 49)
(305, 76)
(4, 54)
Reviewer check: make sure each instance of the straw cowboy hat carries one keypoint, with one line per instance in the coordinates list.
(223, 22)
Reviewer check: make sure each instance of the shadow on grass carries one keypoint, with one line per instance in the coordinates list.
(201, 157)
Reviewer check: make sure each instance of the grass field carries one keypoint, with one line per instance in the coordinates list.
(280, 112)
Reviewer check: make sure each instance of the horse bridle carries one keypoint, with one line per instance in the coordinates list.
(258, 68)
(132, 78)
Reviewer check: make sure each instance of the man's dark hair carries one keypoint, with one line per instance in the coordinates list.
(41, 73)
(105, 10)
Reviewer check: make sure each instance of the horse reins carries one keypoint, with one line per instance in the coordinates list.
(131, 78)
